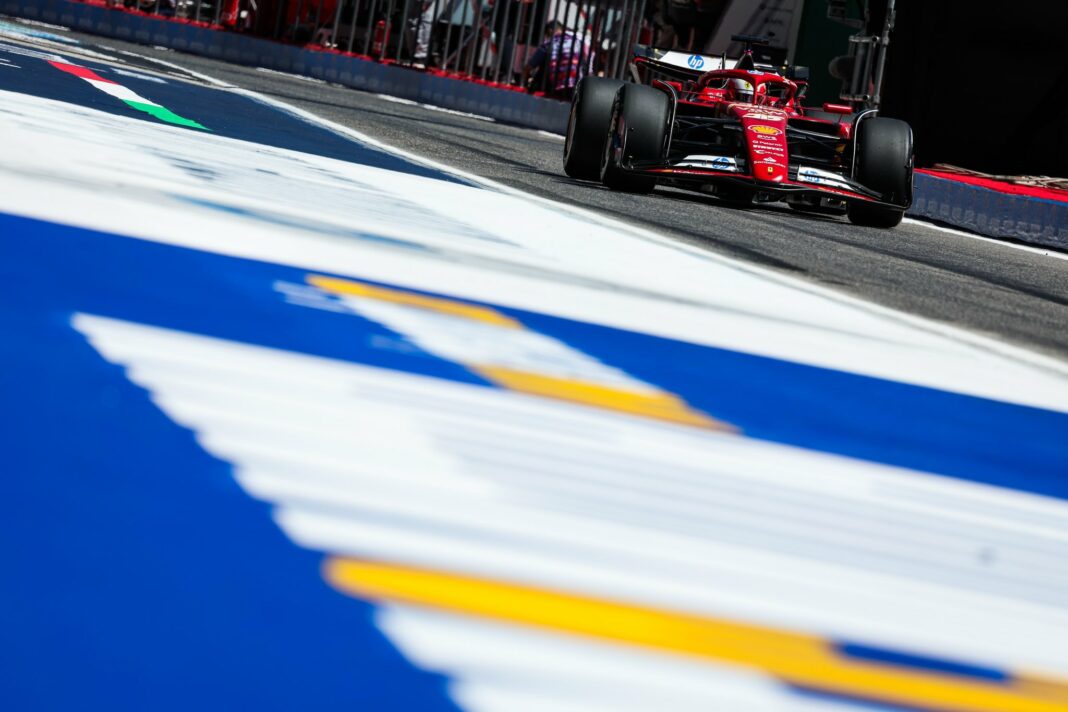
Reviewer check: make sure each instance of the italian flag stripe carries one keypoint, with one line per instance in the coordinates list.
(127, 95)
(118, 91)
(164, 114)
(82, 72)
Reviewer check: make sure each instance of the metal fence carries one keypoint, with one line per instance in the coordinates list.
(493, 41)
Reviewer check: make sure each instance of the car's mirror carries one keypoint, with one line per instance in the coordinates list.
(838, 108)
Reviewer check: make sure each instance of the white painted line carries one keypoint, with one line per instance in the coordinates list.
(27, 52)
(38, 23)
(120, 92)
(398, 100)
(567, 674)
(189, 72)
(550, 134)
(431, 107)
(80, 51)
(138, 75)
(1043, 251)
(301, 77)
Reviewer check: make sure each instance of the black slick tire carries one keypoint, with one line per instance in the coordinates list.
(587, 126)
(638, 132)
(883, 164)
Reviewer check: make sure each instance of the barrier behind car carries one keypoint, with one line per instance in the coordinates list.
(1040, 218)
(487, 40)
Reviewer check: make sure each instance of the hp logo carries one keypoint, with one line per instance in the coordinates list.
(696, 61)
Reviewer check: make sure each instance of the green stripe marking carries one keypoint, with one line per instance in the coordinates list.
(164, 114)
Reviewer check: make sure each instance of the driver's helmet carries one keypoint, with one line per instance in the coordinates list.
(740, 90)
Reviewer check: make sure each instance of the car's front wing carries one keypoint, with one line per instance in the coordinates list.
(801, 180)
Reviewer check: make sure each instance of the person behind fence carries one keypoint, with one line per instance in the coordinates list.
(428, 14)
(559, 62)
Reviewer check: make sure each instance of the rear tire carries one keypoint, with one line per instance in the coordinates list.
(638, 132)
(883, 164)
(587, 126)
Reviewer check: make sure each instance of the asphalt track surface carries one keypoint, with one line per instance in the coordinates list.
(1020, 296)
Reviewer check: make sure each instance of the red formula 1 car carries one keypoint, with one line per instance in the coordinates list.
(741, 134)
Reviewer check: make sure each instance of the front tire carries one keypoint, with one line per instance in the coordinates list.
(587, 126)
(883, 164)
(638, 132)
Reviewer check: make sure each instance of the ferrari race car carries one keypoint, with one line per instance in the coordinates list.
(741, 134)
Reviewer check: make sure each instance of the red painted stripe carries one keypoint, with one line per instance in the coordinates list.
(81, 72)
(1000, 186)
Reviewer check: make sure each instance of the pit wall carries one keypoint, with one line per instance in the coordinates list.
(981, 210)
(991, 212)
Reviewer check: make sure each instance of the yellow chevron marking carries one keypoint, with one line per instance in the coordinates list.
(647, 403)
(658, 405)
(794, 658)
(443, 306)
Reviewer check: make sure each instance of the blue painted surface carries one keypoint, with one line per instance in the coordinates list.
(224, 113)
(868, 418)
(883, 421)
(137, 574)
(900, 658)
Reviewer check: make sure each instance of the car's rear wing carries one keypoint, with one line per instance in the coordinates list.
(672, 63)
